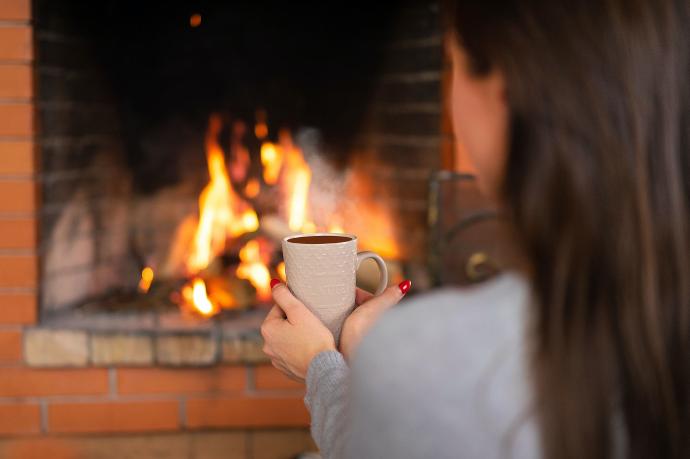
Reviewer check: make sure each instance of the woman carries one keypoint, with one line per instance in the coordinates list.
(577, 116)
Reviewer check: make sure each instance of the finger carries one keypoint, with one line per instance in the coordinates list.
(285, 370)
(280, 366)
(284, 298)
(275, 313)
(389, 298)
(362, 296)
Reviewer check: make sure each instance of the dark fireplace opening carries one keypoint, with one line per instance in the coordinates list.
(129, 94)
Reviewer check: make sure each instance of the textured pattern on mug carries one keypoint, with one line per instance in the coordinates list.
(323, 277)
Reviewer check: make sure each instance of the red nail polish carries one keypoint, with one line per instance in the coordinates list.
(404, 286)
(274, 282)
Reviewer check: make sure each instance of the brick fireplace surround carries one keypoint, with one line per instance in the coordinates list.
(65, 393)
(204, 393)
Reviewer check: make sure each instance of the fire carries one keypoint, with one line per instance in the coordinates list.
(253, 269)
(297, 175)
(252, 189)
(195, 295)
(335, 228)
(272, 161)
(146, 279)
(281, 271)
(224, 216)
(221, 212)
(261, 128)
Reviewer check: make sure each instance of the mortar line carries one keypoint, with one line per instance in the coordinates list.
(182, 412)
(43, 404)
(112, 383)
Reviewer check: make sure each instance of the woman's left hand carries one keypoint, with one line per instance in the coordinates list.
(293, 335)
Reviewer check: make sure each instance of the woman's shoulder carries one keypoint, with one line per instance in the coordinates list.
(449, 369)
(491, 310)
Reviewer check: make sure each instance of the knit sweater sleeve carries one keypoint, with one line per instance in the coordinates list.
(327, 399)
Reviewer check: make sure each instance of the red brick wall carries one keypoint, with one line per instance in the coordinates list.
(38, 404)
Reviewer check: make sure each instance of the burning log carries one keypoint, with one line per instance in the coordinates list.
(275, 228)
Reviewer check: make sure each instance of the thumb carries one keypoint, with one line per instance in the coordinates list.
(390, 297)
(291, 306)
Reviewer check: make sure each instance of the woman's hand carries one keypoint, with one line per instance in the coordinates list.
(369, 309)
(293, 336)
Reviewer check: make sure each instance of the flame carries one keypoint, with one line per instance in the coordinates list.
(368, 218)
(221, 212)
(281, 271)
(297, 178)
(261, 128)
(335, 228)
(252, 189)
(254, 270)
(146, 279)
(272, 161)
(195, 296)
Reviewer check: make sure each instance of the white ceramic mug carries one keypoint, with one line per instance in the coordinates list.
(321, 271)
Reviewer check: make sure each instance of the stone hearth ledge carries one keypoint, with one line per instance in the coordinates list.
(115, 339)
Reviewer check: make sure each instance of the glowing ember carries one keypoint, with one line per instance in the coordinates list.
(146, 279)
(195, 20)
(195, 296)
(221, 212)
(254, 270)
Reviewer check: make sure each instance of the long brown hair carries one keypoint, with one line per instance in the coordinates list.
(598, 182)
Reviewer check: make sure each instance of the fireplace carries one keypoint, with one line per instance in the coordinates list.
(178, 146)
(123, 126)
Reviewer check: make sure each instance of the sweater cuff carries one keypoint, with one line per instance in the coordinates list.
(325, 373)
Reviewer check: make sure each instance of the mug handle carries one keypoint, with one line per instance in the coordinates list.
(383, 281)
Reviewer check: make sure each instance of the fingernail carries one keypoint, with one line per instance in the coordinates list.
(404, 286)
(274, 282)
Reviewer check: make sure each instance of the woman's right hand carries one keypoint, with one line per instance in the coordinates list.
(369, 309)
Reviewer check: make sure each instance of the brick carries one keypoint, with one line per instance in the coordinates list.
(50, 348)
(10, 345)
(186, 349)
(111, 417)
(209, 445)
(29, 382)
(180, 381)
(268, 378)
(226, 445)
(18, 233)
(15, 10)
(121, 349)
(249, 412)
(16, 157)
(16, 120)
(17, 309)
(275, 444)
(16, 81)
(19, 418)
(18, 271)
(37, 448)
(15, 43)
(17, 195)
(247, 349)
